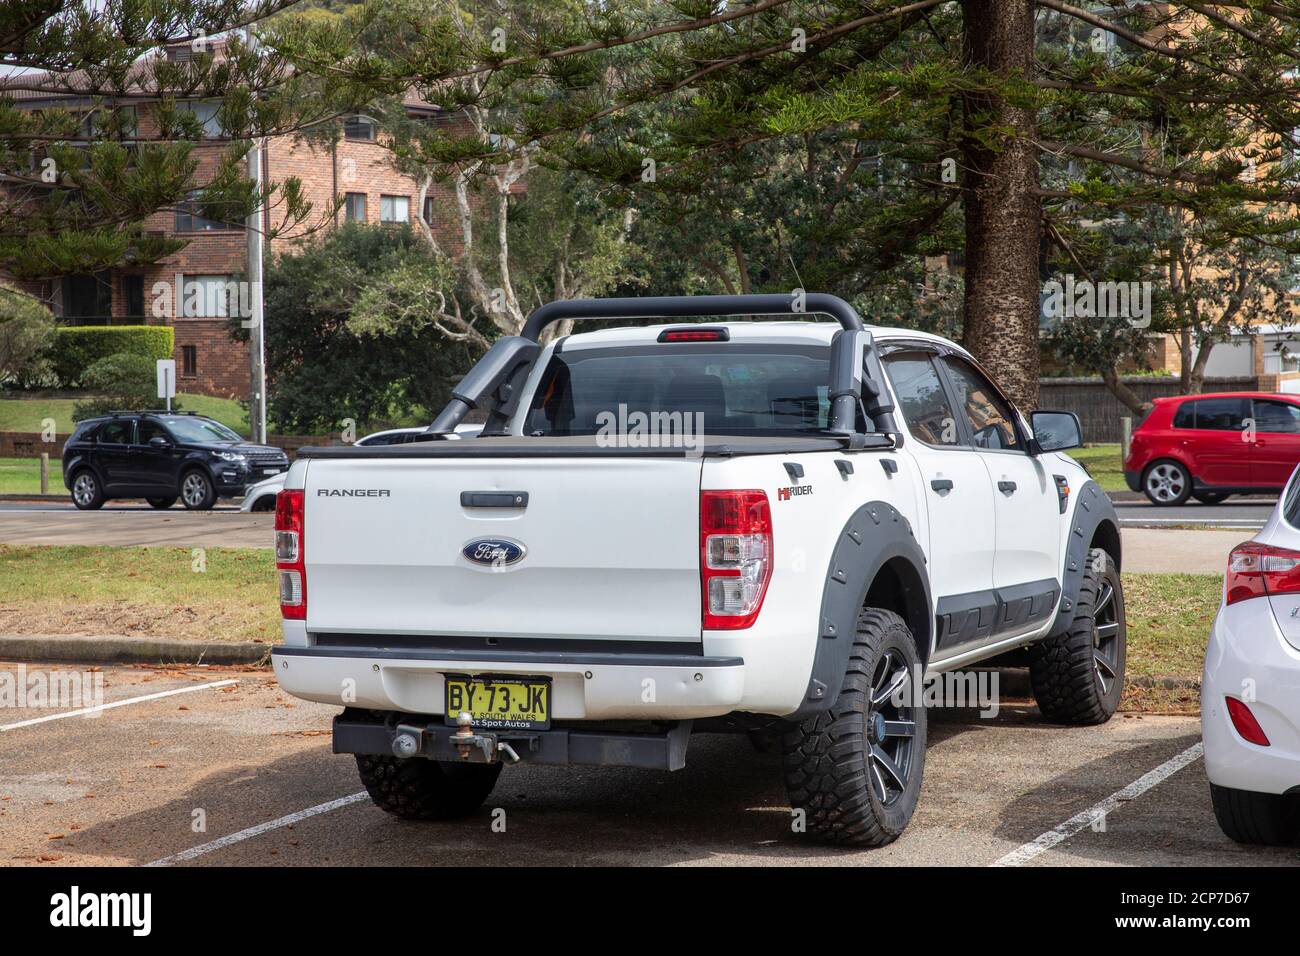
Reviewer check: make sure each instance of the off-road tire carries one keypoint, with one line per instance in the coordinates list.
(1250, 817)
(827, 757)
(1066, 671)
(418, 789)
(161, 504)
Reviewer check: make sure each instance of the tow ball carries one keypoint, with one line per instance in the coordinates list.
(466, 740)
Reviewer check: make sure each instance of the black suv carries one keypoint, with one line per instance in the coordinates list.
(160, 456)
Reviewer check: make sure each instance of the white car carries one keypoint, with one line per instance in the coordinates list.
(1250, 690)
(771, 528)
(261, 496)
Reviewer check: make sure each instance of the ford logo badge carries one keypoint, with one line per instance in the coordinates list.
(494, 552)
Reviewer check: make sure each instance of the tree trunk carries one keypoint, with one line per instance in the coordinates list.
(1124, 394)
(1003, 208)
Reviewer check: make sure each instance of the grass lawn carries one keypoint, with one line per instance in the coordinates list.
(1104, 463)
(22, 476)
(26, 414)
(1169, 619)
(143, 592)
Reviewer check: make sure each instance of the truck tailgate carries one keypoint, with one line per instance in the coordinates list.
(611, 548)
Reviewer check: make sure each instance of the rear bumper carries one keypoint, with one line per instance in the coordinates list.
(586, 685)
(355, 734)
(1248, 658)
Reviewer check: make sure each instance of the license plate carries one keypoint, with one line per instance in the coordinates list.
(268, 472)
(510, 703)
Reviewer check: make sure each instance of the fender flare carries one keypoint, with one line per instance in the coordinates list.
(1093, 513)
(874, 536)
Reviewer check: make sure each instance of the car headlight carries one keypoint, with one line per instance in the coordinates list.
(230, 456)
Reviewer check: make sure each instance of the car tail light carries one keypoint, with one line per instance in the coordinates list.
(1245, 722)
(695, 335)
(290, 565)
(735, 557)
(1258, 570)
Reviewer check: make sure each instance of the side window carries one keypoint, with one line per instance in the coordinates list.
(921, 398)
(150, 429)
(991, 419)
(1221, 414)
(117, 432)
(1185, 417)
(1277, 417)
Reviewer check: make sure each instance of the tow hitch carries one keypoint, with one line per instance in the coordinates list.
(466, 740)
(412, 737)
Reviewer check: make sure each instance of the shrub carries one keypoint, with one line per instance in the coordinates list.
(77, 348)
(121, 381)
(26, 328)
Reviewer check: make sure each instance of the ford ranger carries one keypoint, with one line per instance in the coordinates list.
(715, 524)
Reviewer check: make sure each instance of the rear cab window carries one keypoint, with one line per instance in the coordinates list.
(922, 399)
(736, 387)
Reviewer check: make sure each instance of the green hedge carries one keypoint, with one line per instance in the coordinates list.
(76, 348)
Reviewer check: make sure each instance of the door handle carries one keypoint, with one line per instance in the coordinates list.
(941, 484)
(1007, 487)
(494, 499)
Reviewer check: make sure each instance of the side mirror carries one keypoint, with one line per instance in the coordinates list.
(1056, 431)
(159, 442)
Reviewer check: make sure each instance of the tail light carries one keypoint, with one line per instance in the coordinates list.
(1258, 570)
(289, 561)
(735, 557)
(1245, 722)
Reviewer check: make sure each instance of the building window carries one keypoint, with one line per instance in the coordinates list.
(88, 297)
(209, 297)
(428, 209)
(358, 127)
(205, 111)
(189, 360)
(354, 207)
(189, 217)
(133, 293)
(394, 209)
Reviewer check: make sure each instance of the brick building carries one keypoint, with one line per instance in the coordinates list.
(191, 290)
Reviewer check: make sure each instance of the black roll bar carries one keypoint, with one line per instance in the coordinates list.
(671, 306)
(857, 381)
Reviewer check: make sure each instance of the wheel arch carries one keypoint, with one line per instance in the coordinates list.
(1093, 524)
(876, 562)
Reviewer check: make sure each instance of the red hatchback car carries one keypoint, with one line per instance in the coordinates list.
(1210, 446)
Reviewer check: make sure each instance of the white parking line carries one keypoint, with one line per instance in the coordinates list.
(258, 830)
(116, 703)
(1070, 827)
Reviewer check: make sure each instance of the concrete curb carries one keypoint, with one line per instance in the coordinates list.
(127, 650)
(37, 497)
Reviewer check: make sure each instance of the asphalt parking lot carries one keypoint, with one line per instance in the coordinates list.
(217, 767)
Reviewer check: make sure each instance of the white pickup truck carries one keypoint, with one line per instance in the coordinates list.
(778, 528)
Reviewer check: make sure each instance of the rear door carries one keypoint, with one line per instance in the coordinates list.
(599, 548)
(954, 482)
(1276, 449)
(113, 454)
(1215, 448)
(1026, 504)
